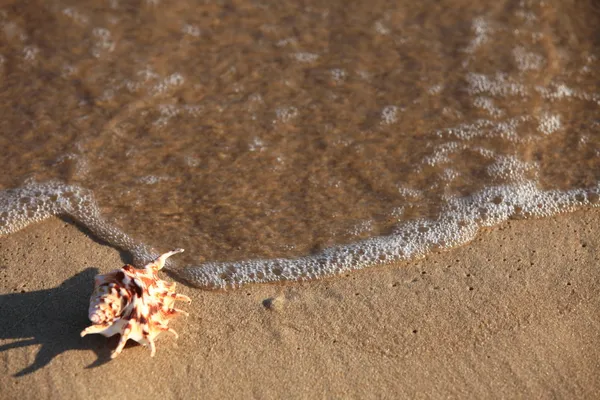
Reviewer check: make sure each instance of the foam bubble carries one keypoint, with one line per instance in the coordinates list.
(152, 179)
(103, 43)
(30, 53)
(257, 144)
(389, 115)
(435, 89)
(510, 168)
(527, 61)
(286, 113)
(171, 81)
(76, 16)
(499, 85)
(286, 41)
(506, 129)
(442, 152)
(338, 74)
(306, 57)
(191, 30)
(381, 29)
(482, 30)
(560, 91)
(487, 104)
(549, 123)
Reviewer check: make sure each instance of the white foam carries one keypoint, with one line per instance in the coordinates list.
(286, 113)
(286, 41)
(458, 223)
(170, 111)
(338, 75)
(152, 179)
(76, 15)
(435, 89)
(449, 175)
(528, 61)
(103, 43)
(410, 192)
(191, 30)
(549, 123)
(487, 104)
(560, 91)
(389, 115)
(257, 145)
(36, 202)
(506, 129)
(441, 154)
(510, 168)
(362, 228)
(499, 85)
(482, 30)
(306, 57)
(380, 28)
(30, 53)
(171, 81)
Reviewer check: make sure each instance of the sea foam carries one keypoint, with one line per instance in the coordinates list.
(458, 223)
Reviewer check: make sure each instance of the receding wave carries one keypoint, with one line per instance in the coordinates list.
(458, 223)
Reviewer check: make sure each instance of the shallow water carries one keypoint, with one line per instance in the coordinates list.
(244, 130)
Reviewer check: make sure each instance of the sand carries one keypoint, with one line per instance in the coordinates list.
(513, 314)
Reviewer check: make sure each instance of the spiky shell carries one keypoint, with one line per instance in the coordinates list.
(135, 303)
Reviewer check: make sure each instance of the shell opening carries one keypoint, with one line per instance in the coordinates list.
(96, 318)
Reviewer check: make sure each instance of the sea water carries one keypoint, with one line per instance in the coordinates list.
(278, 140)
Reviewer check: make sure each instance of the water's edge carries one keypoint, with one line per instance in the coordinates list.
(458, 223)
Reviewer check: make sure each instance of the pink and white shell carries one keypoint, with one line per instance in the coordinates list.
(135, 303)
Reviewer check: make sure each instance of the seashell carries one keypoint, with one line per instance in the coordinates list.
(135, 303)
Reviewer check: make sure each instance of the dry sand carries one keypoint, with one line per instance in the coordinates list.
(512, 315)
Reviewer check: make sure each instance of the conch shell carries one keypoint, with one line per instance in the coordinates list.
(135, 303)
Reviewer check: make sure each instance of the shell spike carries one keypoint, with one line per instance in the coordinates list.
(159, 263)
(121, 345)
(173, 332)
(177, 311)
(93, 329)
(152, 348)
(182, 297)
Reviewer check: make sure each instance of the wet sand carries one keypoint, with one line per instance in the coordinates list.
(513, 314)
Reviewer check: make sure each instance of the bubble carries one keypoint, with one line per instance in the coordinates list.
(338, 74)
(389, 115)
(168, 83)
(435, 89)
(380, 28)
(549, 123)
(481, 29)
(30, 53)
(487, 104)
(286, 113)
(191, 30)
(305, 57)
(103, 42)
(499, 85)
(527, 60)
(75, 16)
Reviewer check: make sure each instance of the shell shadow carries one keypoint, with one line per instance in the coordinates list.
(51, 319)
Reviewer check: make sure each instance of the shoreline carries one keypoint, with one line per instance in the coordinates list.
(512, 313)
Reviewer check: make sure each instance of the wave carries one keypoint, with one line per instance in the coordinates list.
(459, 221)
